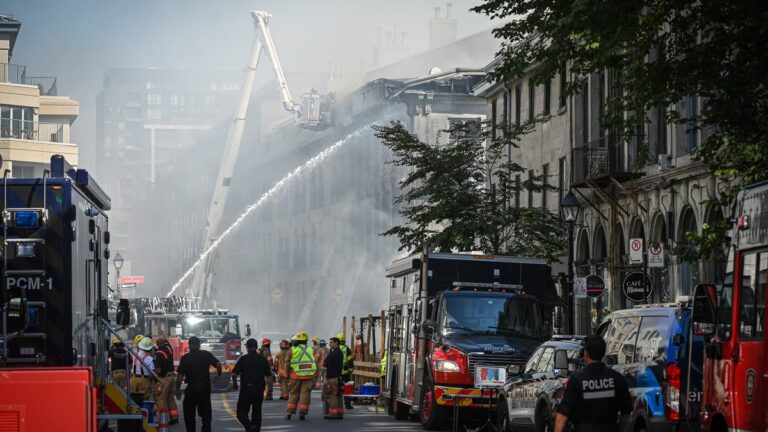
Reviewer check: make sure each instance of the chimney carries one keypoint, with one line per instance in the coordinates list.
(448, 10)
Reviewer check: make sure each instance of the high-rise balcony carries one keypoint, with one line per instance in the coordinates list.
(17, 74)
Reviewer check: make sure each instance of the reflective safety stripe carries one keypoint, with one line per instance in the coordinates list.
(346, 369)
(600, 394)
(303, 361)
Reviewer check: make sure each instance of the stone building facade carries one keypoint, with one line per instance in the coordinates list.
(650, 188)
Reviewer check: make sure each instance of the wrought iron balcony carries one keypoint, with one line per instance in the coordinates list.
(25, 130)
(599, 161)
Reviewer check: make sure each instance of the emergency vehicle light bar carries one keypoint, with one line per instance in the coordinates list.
(515, 287)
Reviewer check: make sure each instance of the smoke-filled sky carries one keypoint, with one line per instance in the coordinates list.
(77, 40)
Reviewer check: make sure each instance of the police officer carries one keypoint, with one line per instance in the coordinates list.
(596, 396)
(193, 368)
(254, 369)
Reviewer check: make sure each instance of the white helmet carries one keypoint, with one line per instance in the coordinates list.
(146, 344)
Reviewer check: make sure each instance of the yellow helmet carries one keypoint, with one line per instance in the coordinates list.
(340, 337)
(137, 339)
(315, 339)
(301, 336)
(115, 340)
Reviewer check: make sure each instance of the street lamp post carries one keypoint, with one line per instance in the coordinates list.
(118, 263)
(570, 208)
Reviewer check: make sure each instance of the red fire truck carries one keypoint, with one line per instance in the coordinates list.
(450, 315)
(735, 387)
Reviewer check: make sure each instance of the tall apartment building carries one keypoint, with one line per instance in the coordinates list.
(147, 119)
(649, 188)
(34, 121)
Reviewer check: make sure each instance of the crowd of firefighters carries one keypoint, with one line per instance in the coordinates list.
(297, 366)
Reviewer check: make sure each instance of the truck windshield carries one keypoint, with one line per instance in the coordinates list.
(491, 315)
(210, 327)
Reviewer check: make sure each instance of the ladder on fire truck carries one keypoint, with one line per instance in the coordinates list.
(307, 114)
(33, 222)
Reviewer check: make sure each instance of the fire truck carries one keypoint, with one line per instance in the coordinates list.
(452, 313)
(179, 318)
(54, 305)
(735, 387)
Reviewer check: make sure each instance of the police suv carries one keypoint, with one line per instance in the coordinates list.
(653, 347)
(529, 399)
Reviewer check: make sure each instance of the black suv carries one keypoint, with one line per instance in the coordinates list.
(529, 399)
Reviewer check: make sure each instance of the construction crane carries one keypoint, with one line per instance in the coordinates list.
(312, 112)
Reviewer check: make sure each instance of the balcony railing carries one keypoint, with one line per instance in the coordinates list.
(25, 130)
(597, 160)
(17, 74)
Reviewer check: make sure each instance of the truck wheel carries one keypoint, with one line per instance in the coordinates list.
(431, 414)
(502, 416)
(544, 419)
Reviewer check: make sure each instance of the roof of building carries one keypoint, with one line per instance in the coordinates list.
(8, 24)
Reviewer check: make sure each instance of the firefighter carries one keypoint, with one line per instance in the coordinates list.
(333, 387)
(303, 371)
(141, 381)
(266, 352)
(282, 361)
(119, 360)
(349, 365)
(165, 402)
(383, 371)
(359, 348)
(320, 352)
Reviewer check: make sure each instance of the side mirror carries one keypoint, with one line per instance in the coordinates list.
(123, 317)
(561, 360)
(704, 309)
(247, 330)
(428, 327)
(514, 369)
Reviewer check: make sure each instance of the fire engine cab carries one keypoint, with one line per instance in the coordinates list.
(735, 387)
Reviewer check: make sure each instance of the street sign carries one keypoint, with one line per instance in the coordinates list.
(637, 287)
(656, 255)
(595, 286)
(132, 279)
(636, 250)
(580, 287)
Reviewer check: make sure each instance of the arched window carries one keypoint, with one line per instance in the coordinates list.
(688, 271)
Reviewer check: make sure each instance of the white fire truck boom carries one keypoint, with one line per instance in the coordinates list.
(307, 114)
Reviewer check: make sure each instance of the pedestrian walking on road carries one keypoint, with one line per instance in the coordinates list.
(303, 371)
(253, 369)
(165, 402)
(597, 399)
(266, 352)
(193, 369)
(282, 363)
(333, 387)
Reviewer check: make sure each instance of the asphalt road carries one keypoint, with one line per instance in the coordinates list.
(362, 418)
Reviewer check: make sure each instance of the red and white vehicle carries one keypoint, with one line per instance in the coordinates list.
(735, 387)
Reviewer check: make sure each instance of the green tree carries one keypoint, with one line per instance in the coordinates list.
(462, 195)
(658, 52)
